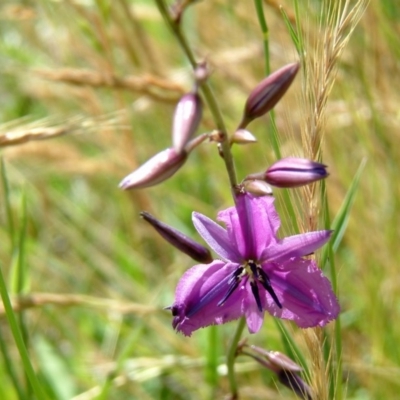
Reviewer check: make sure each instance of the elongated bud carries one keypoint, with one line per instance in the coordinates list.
(187, 118)
(156, 170)
(268, 92)
(292, 172)
(294, 382)
(278, 359)
(285, 369)
(242, 136)
(179, 240)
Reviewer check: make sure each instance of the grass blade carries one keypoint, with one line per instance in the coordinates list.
(17, 335)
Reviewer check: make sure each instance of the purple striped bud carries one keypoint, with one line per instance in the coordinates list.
(278, 360)
(285, 369)
(156, 170)
(187, 118)
(179, 240)
(268, 92)
(292, 172)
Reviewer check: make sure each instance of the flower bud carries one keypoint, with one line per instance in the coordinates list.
(187, 118)
(157, 169)
(292, 172)
(285, 369)
(279, 360)
(257, 188)
(268, 92)
(242, 136)
(179, 240)
(294, 382)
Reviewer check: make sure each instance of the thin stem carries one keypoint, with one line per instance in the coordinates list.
(265, 31)
(230, 361)
(337, 385)
(207, 92)
(26, 361)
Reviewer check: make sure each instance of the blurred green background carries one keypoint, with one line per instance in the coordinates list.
(87, 93)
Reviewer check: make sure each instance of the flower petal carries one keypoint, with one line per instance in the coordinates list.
(296, 246)
(254, 317)
(216, 237)
(198, 293)
(305, 293)
(252, 224)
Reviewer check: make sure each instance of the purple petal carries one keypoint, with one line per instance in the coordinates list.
(216, 237)
(305, 293)
(198, 293)
(252, 224)
(254, 317)
(295, 246)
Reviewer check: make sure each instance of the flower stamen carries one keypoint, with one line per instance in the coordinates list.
(256, 294)
(261, 276)
(233, 284)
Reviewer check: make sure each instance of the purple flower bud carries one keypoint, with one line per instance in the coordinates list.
(278, 360)
(292, 172)
(157, 169)
(293, 381)
(179, 240)
(242, 136)
(268, 92)
(285, 369)
(187, 118)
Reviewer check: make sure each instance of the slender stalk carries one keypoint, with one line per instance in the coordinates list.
(12, 321)
(336, 387)
(207, 92)
(230, 361)
(265, 31)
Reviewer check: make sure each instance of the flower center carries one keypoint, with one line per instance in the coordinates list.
(256, 275)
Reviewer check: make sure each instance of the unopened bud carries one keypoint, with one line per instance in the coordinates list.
(242, 136)
(278, 359)
(179, 240)
(257, 188)
(292, 172)
(156, 170)
(285, 368)
(268, 92)
(187, 118)
(294, 382)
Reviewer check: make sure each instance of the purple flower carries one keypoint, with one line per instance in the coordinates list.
(257, 272)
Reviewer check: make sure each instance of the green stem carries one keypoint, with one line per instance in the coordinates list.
(265, 31)
(337, 385)
(12, 321)
(230, 362)
(207, 92)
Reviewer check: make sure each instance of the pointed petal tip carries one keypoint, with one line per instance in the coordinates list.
(124, 184)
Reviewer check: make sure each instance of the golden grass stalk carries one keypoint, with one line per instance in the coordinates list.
(38, 300)
(21, 131)
(152, 86)
(336, 22)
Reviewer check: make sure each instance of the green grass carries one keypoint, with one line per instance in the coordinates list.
(88, 279)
